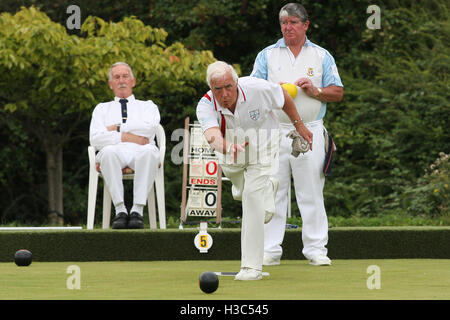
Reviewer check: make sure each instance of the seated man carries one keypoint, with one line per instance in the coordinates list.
(123, 132)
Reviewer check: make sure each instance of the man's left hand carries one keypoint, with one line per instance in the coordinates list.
(112, 127)
(308, 87)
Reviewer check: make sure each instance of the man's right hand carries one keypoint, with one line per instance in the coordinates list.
(233, 150)
(305, 133)
(130, 137)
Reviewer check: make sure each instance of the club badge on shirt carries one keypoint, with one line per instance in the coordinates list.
(254, 114)
(310, 72)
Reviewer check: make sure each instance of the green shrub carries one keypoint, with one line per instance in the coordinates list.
(430, 195)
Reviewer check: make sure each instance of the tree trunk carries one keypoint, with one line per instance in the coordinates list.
(54, 155)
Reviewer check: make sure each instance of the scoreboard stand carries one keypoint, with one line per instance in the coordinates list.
(202, 179)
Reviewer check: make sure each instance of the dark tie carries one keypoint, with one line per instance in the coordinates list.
(123, 103)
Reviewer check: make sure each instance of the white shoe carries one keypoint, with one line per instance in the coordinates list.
(320, 260)
(275, 184)
(248, 274)
(270, 261)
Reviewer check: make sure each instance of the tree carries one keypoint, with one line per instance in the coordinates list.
(393, 121)
(50, 81)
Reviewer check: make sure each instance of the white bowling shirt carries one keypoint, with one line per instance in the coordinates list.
(254, 119)
(277, 63)
(143, 119)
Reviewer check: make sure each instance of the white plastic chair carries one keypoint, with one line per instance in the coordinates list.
(158, 187)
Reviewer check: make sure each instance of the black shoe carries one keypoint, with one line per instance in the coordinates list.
(136, 221)
(120, 221)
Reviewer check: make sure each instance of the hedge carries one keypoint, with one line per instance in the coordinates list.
(174, 244)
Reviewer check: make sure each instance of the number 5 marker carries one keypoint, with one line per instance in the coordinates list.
(203, 241)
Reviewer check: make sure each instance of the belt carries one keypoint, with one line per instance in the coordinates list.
(311, 124)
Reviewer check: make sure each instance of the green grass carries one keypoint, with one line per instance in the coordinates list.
(178, 280)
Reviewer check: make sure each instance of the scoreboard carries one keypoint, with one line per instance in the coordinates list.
(202, 177)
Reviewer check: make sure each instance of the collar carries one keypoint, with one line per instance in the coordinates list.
(241, 94)
(281, 44)
(130, 98)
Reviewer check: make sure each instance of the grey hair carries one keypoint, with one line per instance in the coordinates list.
(219, 69)
(294, 9)
(120, 63)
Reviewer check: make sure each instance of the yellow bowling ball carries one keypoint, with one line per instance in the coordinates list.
(291, 89)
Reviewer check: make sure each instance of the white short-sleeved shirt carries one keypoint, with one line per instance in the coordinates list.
(276, 63)
(143, 119)
(254, 119)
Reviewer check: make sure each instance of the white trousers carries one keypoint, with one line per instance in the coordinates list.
(252, 185)
(309, 181)
(143, 159)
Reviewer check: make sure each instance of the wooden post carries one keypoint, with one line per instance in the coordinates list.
(219, 194)
(186, 152)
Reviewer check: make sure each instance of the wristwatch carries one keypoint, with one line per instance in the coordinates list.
(320, 92)
(297, 120)
(118, 127)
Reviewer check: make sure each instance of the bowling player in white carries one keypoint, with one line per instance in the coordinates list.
(295, 59)
(238, 120)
